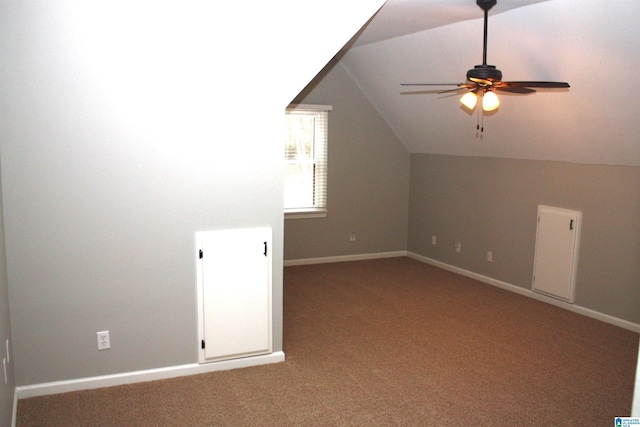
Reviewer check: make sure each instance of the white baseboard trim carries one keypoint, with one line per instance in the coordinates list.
(14, 416)
(529, 293)
(44, 389)
(343, 258)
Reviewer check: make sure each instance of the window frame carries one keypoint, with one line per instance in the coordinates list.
(321, 211)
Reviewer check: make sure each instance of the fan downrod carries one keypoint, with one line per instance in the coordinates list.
(484, 71)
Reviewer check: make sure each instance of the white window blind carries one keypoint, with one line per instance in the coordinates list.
(306, 166)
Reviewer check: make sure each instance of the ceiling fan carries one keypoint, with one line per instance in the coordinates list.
(483, 80)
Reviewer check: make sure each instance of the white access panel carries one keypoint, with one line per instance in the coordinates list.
(234, 293)
(556, 252)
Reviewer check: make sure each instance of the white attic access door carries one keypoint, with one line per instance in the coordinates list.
(556, 253)
(234, 293)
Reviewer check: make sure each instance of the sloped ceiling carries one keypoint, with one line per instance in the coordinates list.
(402, 17)
(593, 46)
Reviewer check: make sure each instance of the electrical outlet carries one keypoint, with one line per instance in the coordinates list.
(104, 342)
(489, 256)
(458, 247)
(433, 240)
(352, 236)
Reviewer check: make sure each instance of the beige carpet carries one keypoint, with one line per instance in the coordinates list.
(390, 342)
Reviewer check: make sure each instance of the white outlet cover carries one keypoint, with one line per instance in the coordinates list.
(104, 341)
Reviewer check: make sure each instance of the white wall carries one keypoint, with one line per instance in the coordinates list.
(635, 410)
(126, 130)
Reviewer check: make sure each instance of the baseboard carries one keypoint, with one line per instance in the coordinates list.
(529, 293)
(14, 416)
(343, 258)
(44, 389)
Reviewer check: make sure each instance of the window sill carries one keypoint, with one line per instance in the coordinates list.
(305, 214)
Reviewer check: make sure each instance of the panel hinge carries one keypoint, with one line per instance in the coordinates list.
(265, 248)
(200, 254)
(202, 344)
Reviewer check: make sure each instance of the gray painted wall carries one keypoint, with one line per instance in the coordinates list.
(490, 204)
(368, 178)
(106, 181)
(6, 390)
(122, 136)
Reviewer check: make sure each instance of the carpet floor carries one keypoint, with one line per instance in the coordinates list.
(390, 342)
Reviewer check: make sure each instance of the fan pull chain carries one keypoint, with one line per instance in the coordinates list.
(479, 123)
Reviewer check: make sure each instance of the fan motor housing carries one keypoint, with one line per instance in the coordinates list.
(485, 72)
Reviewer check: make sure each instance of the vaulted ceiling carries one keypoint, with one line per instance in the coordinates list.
(593, 46)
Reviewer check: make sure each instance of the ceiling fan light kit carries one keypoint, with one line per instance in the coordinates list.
(483, 80)
(490, 101)
(469, 100)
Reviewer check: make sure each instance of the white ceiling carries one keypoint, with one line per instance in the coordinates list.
(577, 41)
(401, 17)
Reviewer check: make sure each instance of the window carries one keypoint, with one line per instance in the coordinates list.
(305, 154)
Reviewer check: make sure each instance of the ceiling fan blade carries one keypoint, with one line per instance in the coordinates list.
(432, 84)
(522, 90)
(548, 85)
(457, 89)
